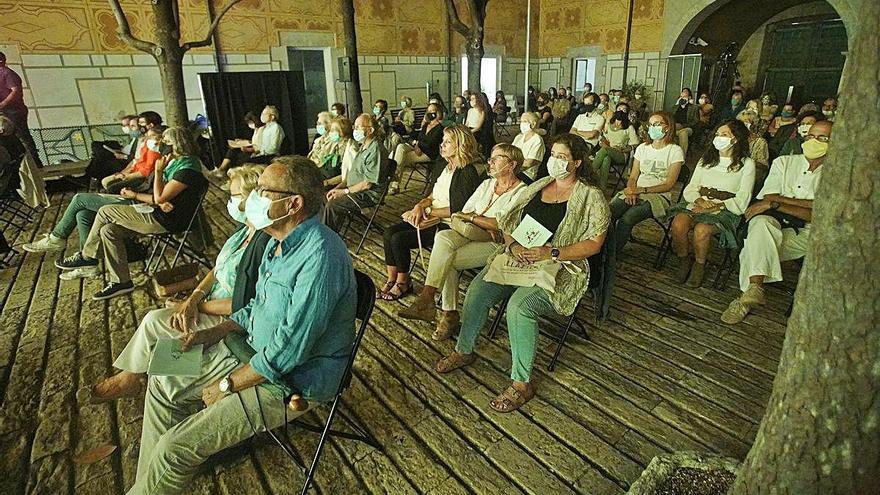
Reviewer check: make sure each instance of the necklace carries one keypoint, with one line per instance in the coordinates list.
(556, 192)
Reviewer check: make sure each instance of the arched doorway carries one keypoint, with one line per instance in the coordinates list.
(791, 48)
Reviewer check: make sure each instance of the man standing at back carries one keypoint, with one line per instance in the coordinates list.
(12, 105)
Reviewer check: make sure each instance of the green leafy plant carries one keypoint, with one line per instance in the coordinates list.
(632, 87)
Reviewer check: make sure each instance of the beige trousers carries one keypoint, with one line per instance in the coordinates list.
(767, 246)
(406, 157)
(113, 224)
(452, 253)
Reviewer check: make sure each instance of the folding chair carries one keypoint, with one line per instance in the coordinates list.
(366, 298)
(620, 170)
(596, 288)
(371, 219)
(684, 176)
(159, 242)
(424, 170)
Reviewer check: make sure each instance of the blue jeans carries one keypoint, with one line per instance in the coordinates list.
(81, 212)
(627, 216)
(525, 306)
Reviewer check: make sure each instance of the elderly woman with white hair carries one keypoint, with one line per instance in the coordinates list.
(229, 286)
(530, 142)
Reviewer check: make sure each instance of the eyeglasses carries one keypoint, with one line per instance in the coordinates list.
(820, 138)
(260, 190)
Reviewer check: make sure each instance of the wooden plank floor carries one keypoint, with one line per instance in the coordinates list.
(662, 374)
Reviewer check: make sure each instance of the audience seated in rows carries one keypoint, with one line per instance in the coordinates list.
(362, 184)
(299, 332)
(589, 124)
(454, 179)
(530, 143)
(105, 162)
(264, 146)
(135, 174)
(569, 204)
(474, 235)
(425, 148)
(236, 156)
(178, 186)
(405, 118)
(655, 168)
(228, 287)
(481, 123)
(329, 151)
(500, 108)
(790, 138)
(617, 142)
(714, 200)
(779, 222)
(338, 110)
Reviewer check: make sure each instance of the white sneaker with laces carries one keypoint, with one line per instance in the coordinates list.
(86, 272)
(46, 243)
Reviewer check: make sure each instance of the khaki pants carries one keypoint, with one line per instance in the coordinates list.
(155, 325)
(179, 433)
(452, 253)
(113, 224)
(767, 246)
(405, 156)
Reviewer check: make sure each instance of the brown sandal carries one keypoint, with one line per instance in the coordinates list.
(511, 399)
(389, 296)
(446, 327)
(454, 361)
(384, 289)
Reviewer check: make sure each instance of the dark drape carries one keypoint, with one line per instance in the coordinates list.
(230, 95)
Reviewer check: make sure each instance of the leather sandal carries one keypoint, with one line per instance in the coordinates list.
(446, 326)
(454, 361)
(384, 289)
(390, 296)
(511, 399)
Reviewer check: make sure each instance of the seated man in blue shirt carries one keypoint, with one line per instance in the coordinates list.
(300, 325)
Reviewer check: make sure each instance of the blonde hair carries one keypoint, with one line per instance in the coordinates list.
(467, 150)
(271, 110)
(531, 118)
(248, 174)
(344, 126)
(183, 141)
(325, 115)
(512, 152)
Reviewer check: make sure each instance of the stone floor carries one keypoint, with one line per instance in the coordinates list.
(661, 374)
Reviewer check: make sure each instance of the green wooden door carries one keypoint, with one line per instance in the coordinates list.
(807, 56)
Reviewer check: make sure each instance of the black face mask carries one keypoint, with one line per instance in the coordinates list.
(589, 107)
(432, 116)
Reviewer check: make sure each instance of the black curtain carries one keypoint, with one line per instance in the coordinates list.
(230, 95)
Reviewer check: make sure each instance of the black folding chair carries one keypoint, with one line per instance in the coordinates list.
(684, 176)
(179, 242)
(424, 171)
(366, 298)
(596, 288)
(362, 215)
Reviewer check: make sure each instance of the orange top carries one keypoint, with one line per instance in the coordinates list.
(146, 162)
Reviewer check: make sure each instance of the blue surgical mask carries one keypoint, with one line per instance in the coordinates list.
(232, 206)
(321, 129)
(359, 135)
(376, 111)
(334, 136)
(256, 209)
(656, 132)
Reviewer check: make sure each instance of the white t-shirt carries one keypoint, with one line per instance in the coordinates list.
(790, 176)
(473, 118)
(589, 122)
(486, 203)
(654, 163)
(740, 182)
(440, 193)
(269, 140)
(533, 149)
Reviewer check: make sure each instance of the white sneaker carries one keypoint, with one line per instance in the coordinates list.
(86, 272)
(45, 244)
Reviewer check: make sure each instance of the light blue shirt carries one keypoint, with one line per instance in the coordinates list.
(301, 321)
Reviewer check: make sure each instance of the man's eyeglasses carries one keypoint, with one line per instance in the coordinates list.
(821, 138)
(260, 190)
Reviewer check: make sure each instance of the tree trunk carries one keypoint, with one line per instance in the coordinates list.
(356, 103)
(821, 431)
(475, 52)
(174, 90)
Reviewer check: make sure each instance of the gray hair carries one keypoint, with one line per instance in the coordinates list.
(302, 177)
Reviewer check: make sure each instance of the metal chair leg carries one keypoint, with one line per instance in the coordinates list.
(561, 342)
(499, 314)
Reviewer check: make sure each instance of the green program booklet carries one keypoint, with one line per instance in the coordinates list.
(169, 360)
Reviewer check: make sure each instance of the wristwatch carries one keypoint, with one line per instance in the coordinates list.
(427, 210)
(226, 384)
(554, 254)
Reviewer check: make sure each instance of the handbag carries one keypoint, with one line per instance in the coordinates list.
(469, 231)
(180, 278)
(506, 270)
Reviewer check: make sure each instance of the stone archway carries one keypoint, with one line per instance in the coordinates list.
(683, 17)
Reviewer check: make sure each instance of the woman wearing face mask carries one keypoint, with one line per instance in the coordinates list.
(768, 109)
(655, 169)
(235, 156)
(322, 125)
(713, 201)
(337, 110)
(530, 143)
(532, 103)
(616, 143)
(380, 109)
(454, 179)
(228, 287)
(406, 117)
(758, 150)
(796, 138)
(459, 110)
(500, 107)
(571, 206)
(453, 251)
(178, 185)
(424, 149)
(757, 108)
(330, 153)
(134, 175)
(785, 118)
(83, 207)
(545, 114)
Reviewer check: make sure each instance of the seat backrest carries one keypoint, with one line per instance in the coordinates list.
(366, 300)
(684, 176)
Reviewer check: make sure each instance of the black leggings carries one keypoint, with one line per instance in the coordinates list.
(400, 238)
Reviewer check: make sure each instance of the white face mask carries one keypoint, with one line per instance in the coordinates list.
(126, 129)
(722, 143)
(321, 129)
(359, 135)
(256, 210)
(525, 127)
(264, 118)
(557, 168)
(232, 206)
(703, 101)
(804, 129)
(334, 136)
(333, 112)
(252, 126)
(152, 145)
(403, 104)
(828, 113)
